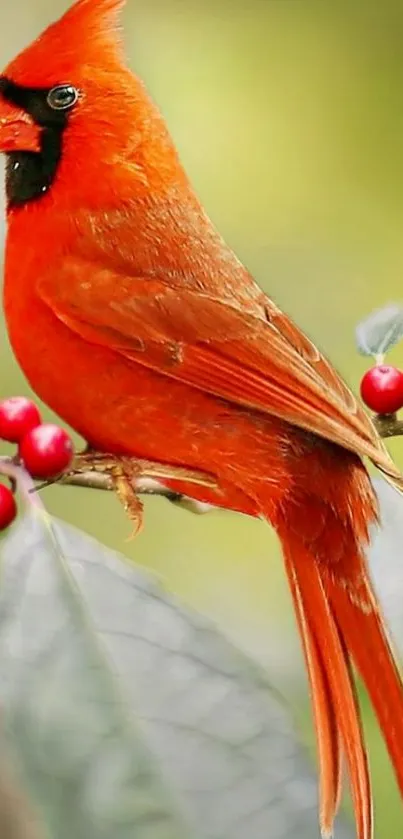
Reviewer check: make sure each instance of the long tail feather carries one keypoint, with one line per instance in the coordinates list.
(340, 709)
(328, 740)
(365, 636)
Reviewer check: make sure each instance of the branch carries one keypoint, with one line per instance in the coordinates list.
(143, 486)
(96, 471)
(99, 480)
(388, 425)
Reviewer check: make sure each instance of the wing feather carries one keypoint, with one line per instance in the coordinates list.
(258, 360)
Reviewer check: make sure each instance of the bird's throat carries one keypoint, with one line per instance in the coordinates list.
(29, 176)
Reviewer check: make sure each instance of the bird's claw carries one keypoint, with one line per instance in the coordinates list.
(123, 477)
(123, 472)
(126, 476)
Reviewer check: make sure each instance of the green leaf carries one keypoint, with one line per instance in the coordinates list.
(381, 331)
(129, 716)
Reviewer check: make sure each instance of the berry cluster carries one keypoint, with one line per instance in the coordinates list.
(382, 389)
(45, 450)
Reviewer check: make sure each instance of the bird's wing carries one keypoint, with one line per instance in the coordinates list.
(259, 360)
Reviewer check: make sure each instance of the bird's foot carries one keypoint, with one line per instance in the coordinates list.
(124, 476)
(123, 473)
(129, 476)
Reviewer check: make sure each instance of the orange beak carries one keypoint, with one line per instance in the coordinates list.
(18, 132)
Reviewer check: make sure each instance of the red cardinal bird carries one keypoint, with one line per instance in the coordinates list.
(136, 323)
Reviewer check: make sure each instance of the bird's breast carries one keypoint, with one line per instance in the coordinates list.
(124, 407)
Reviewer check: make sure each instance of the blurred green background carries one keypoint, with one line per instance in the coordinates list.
(289, 117)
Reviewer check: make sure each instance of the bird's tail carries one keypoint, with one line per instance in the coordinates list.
(340, 624)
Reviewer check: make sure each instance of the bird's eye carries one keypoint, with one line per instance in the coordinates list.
(62, 97)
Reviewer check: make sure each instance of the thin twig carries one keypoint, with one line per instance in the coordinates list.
(22, 480)
(388, 425)
(145, 482)
(99, 480)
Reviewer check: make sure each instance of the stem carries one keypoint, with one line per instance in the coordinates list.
(145, 482)
(388, 425)
(99, 480)
(22, 480)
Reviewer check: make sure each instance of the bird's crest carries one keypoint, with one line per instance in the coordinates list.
(87, 35)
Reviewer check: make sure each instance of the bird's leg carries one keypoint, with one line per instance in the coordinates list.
(127, 476)
(123, 473)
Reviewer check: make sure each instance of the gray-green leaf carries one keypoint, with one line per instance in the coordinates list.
(379, 332)
(385, 558)
(129, 716)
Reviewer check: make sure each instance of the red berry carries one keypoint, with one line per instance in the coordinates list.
(8, 507)
(46, 451)
(17, 416)
(382, 389)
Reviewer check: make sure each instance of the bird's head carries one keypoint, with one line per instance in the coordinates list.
(71, 111)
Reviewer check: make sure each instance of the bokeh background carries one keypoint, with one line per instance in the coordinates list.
(289, 117)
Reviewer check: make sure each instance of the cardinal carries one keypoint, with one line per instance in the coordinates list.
(136, 323)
